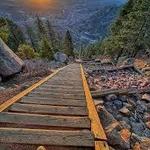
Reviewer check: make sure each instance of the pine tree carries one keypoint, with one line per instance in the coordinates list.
(41, 28)
(11, 33)
(51, 33)
(46, 50)
(68, 45)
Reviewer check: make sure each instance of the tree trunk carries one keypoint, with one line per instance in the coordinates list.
(10, 63)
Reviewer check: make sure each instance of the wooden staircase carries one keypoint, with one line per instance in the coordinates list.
(57, 113)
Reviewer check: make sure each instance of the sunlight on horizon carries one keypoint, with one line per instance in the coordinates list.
(39, 4)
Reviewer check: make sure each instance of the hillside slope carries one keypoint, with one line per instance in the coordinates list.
(130, 34)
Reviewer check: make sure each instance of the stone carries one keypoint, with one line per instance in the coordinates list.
(61, 57)
(118, 104)
(137, 127)
(78, 60)
(98, 102)
(2, 88)
(142, 144)
(106, 117)
(0, 79)
(117, 137)
(146, 97)
(146, 117)
(124, 111)
(148, 124)
(141, 107)
(146, 132)
(125, 134)
(146, 69)
(125, 125)
(128, 61)
(10, 63)
(41, 148)
(111, 97)
(127, 105)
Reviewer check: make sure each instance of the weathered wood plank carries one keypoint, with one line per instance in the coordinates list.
(55, 102)
(62, 87)
(59, 90)
(34, 147)
(44, 120)
(46, 137)
(53, 110)
(99, 93)
(57, 95)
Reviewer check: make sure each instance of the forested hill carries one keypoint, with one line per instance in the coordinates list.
(130, 34)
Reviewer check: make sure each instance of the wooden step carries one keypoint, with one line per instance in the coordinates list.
(59, 95)
(34, 147)
(46, 137)
(53, 110)
(55, 102)
(59, 90)
(63, 97)
(44, 120)
(62, 87)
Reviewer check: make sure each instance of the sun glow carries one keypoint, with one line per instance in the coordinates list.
(39, 4)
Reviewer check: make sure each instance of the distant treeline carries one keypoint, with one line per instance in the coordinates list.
(40, 40)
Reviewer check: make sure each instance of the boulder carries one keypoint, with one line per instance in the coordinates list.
(61, 57)
(10, 63)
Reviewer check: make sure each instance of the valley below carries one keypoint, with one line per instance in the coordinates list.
(87, 20)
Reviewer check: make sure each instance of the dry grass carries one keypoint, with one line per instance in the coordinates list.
(34, 70)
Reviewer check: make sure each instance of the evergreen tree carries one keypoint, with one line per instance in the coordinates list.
(46, 50)
(11, 33)
(68, 45)
(51, 33)
(32, 37)
(41, 28)
(129, 34)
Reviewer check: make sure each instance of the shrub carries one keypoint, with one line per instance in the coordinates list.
(26, 52)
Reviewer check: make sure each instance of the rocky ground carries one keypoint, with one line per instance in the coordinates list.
(126, 117)
(106, 78)
(33, 71)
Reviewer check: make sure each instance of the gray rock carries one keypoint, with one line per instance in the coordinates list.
(128, 61)
(111, 97)
(146, 133)
(125, 111)
(141, 107)
(0, 79)
(2, 88)
(118, 104)
(61, 57)
(137, 128)
(10, 63)
(146, 97)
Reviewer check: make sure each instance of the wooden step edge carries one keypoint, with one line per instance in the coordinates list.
(16, 98)
(80, 138)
